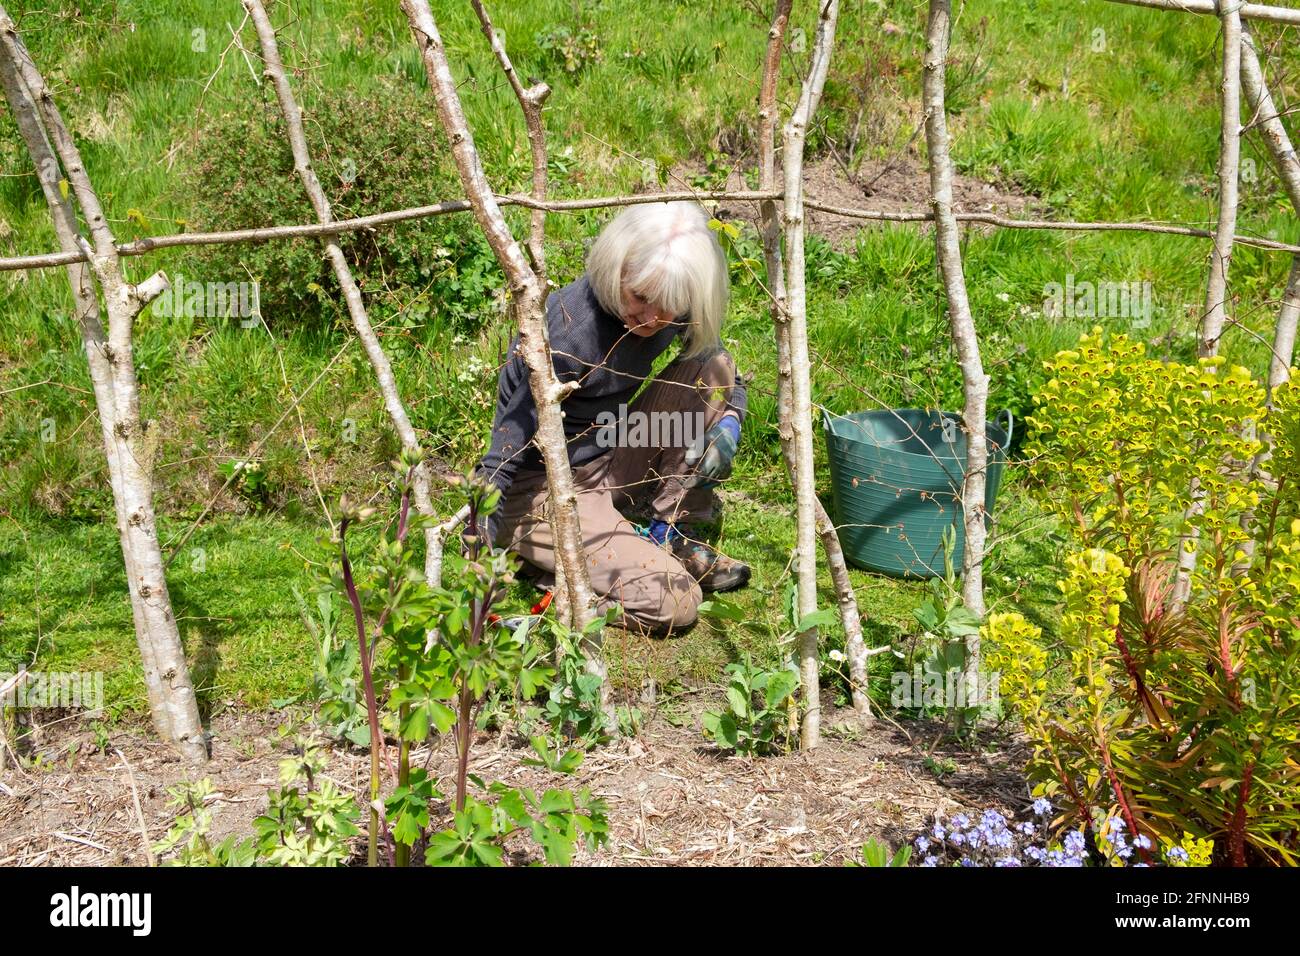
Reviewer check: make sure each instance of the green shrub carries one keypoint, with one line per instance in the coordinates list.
(378, 151)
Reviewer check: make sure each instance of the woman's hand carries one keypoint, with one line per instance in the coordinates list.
(712, 455)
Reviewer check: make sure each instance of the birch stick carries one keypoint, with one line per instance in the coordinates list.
(1216, 293)
(140, 247)
(528, 307)
(1007, 222)
(173, 705)
(94, 341)
(771, 233)
(273, 69)
(975, 383)
(1249, 11)
(1284, 333)
(150, 860)
(1265, 113)
(7, 688)
(800, 420)
(530, 101)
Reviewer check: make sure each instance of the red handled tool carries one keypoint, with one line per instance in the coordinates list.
(512, 622)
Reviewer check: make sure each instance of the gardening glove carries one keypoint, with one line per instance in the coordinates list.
(712, 455)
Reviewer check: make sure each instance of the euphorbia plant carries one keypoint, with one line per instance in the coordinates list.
(1179, 718)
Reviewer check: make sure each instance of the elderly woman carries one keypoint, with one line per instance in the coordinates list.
(655, 274)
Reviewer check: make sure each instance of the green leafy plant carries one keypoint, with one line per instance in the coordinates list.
(756, 709)
(875, 853)
(335, 687)
(364, 162)
(941, 767)
(103, 740)
(573, 706)
(628, 719)
(946, 628)
(432, 661)
(553, 760)
(308, 820)
(248, 478)
(557, 821)
(187, 840)
(741, 242)
(933, 681)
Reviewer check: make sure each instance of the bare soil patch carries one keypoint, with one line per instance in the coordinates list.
(898, 185)
(673, 798)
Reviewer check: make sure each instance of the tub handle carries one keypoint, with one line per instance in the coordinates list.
(1006, 421)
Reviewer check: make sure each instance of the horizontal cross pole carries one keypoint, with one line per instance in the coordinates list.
(1006, 222)
(1249, 11)
(272, 233)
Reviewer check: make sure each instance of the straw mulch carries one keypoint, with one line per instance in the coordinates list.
(673, 798)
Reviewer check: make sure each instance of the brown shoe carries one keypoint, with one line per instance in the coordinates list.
(713, 571)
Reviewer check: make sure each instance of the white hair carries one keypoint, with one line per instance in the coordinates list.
(666, 253)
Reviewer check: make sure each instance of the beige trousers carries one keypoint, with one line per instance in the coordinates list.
(646, 467)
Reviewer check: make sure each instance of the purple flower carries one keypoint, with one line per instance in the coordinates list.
(1026, 828)
(930, 860)
(922, 844)
(1074, 843)
(938, 832)
(961, 821)
(1042, 806)
(1177, 853)
(956, 838)
(1008, 861)
(1142, 841)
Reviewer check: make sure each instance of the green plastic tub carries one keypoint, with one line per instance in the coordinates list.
(896, 478)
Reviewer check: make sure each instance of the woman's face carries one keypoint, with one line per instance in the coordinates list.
(642, 317)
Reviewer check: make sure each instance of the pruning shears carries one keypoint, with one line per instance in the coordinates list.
(513, 623)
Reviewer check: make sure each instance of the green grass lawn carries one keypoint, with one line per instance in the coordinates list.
(1096, 111)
